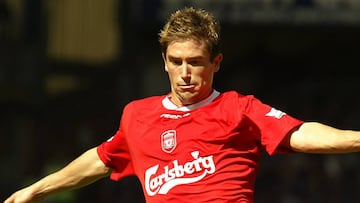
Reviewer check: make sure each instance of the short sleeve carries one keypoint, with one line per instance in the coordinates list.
(274, 125)
(115, 154)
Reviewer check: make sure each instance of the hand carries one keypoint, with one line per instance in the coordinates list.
(23, 196)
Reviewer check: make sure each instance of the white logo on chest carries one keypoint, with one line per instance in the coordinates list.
(175, 174)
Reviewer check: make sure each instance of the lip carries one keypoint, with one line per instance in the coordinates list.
(186, 87)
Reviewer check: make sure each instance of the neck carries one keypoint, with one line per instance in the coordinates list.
(181, 100)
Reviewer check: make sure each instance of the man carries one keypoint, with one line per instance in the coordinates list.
(194, 144)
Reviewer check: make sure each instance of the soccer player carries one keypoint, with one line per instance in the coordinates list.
(194, 144)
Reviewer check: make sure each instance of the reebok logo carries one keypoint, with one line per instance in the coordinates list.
(174, 116)
(275, 113)
(177, 174)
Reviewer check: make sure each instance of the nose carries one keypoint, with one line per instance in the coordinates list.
(185, 71)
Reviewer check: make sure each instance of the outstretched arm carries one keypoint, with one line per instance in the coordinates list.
(84, 170)
(313, 137)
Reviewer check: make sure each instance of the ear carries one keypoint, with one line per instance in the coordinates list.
(164, 59)
(217, 61)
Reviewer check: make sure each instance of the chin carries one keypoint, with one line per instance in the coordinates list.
(189, 99)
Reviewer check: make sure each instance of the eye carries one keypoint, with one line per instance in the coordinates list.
(196, 62)
(176, 62)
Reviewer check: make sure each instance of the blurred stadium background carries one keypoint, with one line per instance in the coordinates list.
(67, 68)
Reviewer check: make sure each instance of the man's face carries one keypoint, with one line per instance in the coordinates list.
(190, 71)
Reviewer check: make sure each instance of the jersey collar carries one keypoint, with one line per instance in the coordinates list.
(166, 102)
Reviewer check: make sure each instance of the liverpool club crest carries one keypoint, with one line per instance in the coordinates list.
(168, 141)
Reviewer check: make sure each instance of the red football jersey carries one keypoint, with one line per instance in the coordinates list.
(205, 152)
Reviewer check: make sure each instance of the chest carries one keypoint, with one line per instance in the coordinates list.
(168, 135)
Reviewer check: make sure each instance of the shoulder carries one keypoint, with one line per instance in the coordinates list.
(234, 96)
(234, 100)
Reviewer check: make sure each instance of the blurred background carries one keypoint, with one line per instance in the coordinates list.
(68, 67)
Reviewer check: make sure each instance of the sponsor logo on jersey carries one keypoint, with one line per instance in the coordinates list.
(168, 141)
(159, 181)
(275, 113)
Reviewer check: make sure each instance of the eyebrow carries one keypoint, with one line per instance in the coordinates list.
(189, 58)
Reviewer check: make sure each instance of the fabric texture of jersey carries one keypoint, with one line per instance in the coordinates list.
(207, 153)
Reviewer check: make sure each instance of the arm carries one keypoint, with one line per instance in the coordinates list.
(313, 137)
(82, 171)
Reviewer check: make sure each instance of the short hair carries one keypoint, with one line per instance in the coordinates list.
(190, 23)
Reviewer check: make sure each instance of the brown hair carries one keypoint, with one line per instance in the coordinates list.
(190, 23)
